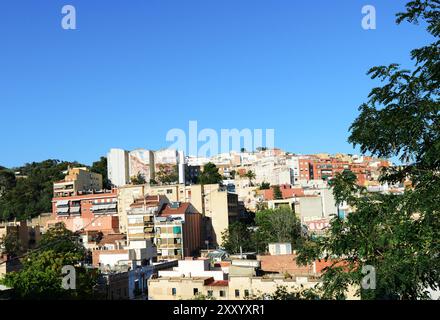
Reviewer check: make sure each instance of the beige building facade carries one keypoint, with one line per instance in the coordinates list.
(76, 180)
(216, 204)
(236, 288)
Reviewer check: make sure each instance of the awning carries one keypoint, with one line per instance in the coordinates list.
(75, 209)
(62, 203)
(62, 210)
(104, 207)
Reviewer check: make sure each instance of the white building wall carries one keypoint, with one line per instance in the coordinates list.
(141, 161)
(193, 268)
(112, 259)
(117, 167)
(166, 156)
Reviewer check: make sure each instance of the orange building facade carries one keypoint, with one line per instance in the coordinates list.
(87, 212)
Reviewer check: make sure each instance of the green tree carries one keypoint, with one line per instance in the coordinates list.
(251, 176)
(100, 167)
(284, 293)
(210, 174)
(10, 244)
(167, 175)
(138, 179)
(279, 225)
(203, 297)
(236, 236)
(397, 234)
(261, 205)
(277, 194)
(265, 186)
(7, 180)
(32, 195)
(41, 275)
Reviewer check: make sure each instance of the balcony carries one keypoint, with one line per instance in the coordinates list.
(140, 236)
(168, 235)
(109, 208)
(136, 225)
(149, 230)
(62, 211)
(170, 246)
(143, 211)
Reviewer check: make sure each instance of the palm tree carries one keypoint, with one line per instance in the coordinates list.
(251, 176)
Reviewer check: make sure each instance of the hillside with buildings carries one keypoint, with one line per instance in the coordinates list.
(166, 239)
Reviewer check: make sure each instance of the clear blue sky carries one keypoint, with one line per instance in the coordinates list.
(135, 69)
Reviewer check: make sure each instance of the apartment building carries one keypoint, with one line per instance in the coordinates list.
(220, 208)
(170, 162)
(87, 212)
(178, 231)
(118, 167)
(122, 165)
(244, 278)
(191, 267)
(140, 217)
(237, 287)
(77, 180)
(127, 194)
(269, 170)
(186, 288)
(141, 161)
(217, 205)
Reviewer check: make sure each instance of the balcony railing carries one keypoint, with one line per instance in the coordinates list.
(170, 246)
(141, 236)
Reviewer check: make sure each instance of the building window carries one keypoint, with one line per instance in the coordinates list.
(246, 293)
(173, 291)
(169, 191)
(222, 293)
(195, 291)
(210, 293)
(237, 293)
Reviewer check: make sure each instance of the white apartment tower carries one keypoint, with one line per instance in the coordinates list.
(117, 167)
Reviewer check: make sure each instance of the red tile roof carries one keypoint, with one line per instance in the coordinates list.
(184, 207)
(286, 192)
(112, 238)
(284, 263)
(218, 283)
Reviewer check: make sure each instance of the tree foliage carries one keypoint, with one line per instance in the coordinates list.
(7, 180)
(167, 174)
(10, 244)
(265, 186)
(277, 194)
(41, 275)
(31, 195)
(279, 225)
(237, 235)
(286, 293)
(100, 167)
(397, 234)
(251, 176)
(138, 179)
(210, 174)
